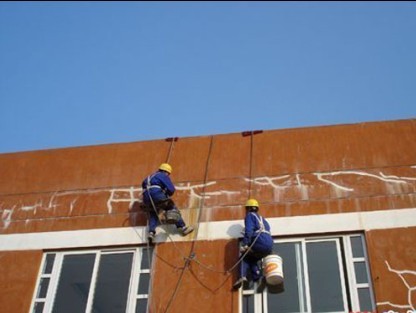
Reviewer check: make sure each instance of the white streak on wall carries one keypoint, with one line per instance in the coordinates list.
(401, 179)
(382, 177)
(191, 187)
(31, 207)
(278, 183)
(72, 205)
(270, 181)
(6, 217)
(410, 289)
(319, 176)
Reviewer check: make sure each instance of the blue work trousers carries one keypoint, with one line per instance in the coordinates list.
(250, 263)
(154, 219)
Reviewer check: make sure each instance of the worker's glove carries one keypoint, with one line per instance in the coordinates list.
(243, 249)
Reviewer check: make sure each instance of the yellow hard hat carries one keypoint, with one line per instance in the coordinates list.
(252, 202)
(165, 167)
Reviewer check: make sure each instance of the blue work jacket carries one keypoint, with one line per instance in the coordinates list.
(159, 186)
(255, 225)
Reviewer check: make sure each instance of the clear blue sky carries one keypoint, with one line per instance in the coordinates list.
(88, 73)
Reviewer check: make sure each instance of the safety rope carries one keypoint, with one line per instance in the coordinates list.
(242, 256)
(201, 206)
(251, 165)
(191, 256)
(171, 140)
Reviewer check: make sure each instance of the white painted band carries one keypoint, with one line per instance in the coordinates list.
(280, 226)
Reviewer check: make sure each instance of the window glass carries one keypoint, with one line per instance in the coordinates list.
(43, 288)
(360, 272)
(292, 299)
(141, 306)
(324, 277)
(50, 259)
(365, 299)
(357, 247)
(38, 308)
(74, 283)
(248, 304)
(113, 275)
(144, 280)
(147, 254)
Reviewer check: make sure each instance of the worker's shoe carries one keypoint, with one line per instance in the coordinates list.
(151, 237)
(240, 282)
(187, 230)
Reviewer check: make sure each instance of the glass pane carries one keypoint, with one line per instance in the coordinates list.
(357, 247)
(38, 307)
(365, 299)
(293, 297)
(147, 255)
(113, 275)
(141, 306)
(74, 283)
(324, 277)
(144, 280)
(50, 259)
(360, 272)
(248, 304)
(43, 288)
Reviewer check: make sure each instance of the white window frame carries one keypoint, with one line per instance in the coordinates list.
(343, 253)
(57, 267)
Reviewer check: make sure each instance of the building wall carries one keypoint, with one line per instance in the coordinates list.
(316, 171)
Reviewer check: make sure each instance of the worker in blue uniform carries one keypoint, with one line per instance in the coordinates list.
(157, 192)
(257, 243)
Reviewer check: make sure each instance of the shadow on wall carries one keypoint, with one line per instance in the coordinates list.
(137, 217)
(231, 257)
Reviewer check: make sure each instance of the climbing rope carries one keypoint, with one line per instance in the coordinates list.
(192, 257)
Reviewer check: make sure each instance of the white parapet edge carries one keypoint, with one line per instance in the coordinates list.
(220, 230)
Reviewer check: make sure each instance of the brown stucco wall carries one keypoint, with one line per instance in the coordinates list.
(392, 256)
(201, 285)
(93, 187)
(18, 274)
(292, 172)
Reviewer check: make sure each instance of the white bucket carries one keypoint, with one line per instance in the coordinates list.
(273, 269)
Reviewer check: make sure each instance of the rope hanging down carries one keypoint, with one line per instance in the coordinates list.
(191, 256)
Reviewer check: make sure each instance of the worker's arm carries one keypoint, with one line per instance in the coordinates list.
(168, 186)
(250, 228)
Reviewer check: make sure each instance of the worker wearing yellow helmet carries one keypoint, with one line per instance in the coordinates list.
(157, 192)
(257, 243)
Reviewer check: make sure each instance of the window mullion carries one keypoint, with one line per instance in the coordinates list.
(341, 272)
(134, 281)
(306, 273)
(355, 306)
(93, 282)
(53, 284)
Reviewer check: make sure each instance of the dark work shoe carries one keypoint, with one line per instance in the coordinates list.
(261, 284)
(240, 282)
(187, 230)
(151, 237)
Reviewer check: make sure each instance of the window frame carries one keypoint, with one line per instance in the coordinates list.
(135, 273)
(346, 261)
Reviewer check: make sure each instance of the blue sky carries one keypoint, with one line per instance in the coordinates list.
(88, 73)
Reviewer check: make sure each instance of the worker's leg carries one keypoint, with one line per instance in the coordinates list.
(244, 268)
(153, 222)
(180, 224)
(255, 271)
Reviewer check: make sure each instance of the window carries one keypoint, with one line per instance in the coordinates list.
(113, 281)
(327, 274)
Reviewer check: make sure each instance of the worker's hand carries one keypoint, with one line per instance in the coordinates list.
(243, 249)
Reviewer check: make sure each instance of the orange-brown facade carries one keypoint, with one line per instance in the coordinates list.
(331, 170)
